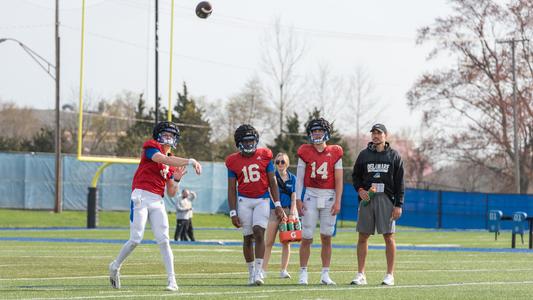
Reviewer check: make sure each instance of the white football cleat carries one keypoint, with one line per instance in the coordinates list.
(263, 274)
(303, 277)
(172, 285)
(324, 279)
(360, 279)
(388, 280)
(258, 278)
(114, 275)
(284, 274)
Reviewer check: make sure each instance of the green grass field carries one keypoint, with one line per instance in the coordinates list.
(77, 268)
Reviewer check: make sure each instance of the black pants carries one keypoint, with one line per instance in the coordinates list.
(184, 230)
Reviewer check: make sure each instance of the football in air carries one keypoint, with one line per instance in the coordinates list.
(204, 9)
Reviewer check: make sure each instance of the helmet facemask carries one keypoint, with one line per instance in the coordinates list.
(248, 144)
(168, 138)
(315, 139)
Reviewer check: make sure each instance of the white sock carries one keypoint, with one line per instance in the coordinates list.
(325, 270)
(251, 267)
(126, 250)
(303, 269)
(168, 259)
(259, 264)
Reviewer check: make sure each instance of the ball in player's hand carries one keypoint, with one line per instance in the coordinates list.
(204, 9)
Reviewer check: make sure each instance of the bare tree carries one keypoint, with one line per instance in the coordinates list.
(469, 105)
(363, 107)
(282, 52)
(325, 93)
(16, 122)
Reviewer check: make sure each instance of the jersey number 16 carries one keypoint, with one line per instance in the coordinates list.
(251, 173)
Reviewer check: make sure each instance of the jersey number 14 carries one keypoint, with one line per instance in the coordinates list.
(251, 173)
(322, 170)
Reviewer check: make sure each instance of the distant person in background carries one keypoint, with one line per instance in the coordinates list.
(381, 168)
(157, 170)
(184, 229)
(287, 195)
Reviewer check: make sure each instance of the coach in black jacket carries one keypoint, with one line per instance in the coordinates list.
(381, 168)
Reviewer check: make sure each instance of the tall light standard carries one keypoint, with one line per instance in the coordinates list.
(513, 42)
(47, 67)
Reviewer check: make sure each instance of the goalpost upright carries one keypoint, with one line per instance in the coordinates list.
(92, 206)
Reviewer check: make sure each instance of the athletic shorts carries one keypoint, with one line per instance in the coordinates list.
(318, 207)
(376, 215)
(274, 218)
(253, 212)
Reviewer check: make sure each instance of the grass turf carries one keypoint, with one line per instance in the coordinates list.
(30, 270)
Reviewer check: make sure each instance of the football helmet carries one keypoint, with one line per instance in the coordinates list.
(169, 127)
(244, 133)
(318, 124)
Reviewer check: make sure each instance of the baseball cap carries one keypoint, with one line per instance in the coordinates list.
(379, 127)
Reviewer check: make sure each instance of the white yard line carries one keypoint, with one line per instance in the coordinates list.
(278, 289)
(210, 275)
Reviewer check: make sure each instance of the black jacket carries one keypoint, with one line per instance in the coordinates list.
(380, 167)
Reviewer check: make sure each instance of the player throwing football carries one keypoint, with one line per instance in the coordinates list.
(156, 170)
(320, 171)
(250, 175)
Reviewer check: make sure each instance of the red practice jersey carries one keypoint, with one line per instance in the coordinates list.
(151, 176)
(251, 172)
(320, 166)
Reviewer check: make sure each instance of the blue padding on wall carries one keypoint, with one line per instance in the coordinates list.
(27, 182)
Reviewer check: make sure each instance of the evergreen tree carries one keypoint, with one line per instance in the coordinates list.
(130, 145)
(290, 139)
(195, 140)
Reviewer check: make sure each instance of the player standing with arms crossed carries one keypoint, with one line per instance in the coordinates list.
(250, 176)
(156, 170)
(320, 171)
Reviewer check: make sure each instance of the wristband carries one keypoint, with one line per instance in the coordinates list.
(191, 161)
(232, 213)
(277, 204)
(177, 180)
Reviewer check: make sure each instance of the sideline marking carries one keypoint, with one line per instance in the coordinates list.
(229, 243)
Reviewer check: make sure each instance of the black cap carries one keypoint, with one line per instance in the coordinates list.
(379, 127)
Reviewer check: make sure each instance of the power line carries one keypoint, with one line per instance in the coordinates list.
(144, 47)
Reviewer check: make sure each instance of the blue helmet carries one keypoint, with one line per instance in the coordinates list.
(246, 132)
(318, 124)
(169, 127)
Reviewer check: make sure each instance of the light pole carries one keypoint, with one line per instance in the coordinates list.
(513, 42)
(47, 67)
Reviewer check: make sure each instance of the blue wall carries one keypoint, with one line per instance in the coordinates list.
(27, 182)
(439, 209)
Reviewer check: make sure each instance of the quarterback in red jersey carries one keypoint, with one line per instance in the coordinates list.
(320, 172)
(251, 179)
(158, 169)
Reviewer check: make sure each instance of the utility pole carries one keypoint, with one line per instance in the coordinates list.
(513, 42)
(58, 188)
(156, 61)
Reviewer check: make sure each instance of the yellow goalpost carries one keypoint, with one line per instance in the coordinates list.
(111, 159)
(108, 160)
